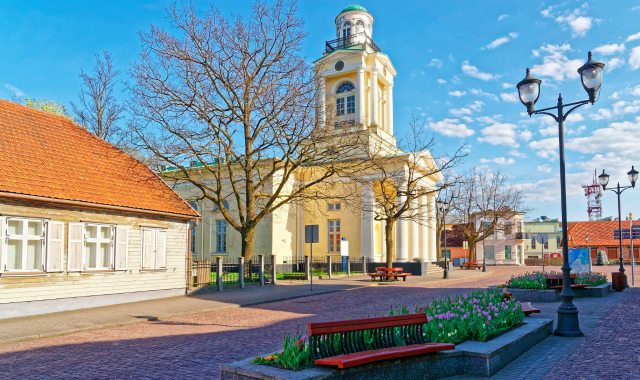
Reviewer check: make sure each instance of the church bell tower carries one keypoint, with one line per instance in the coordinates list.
(356, 80)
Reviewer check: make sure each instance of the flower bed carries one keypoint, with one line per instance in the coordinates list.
(540, 280)
(478, 316)
(592, 279)
(533, 280)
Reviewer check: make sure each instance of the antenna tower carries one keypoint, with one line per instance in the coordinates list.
(593, 192)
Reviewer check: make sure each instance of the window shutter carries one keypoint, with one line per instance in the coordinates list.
(2, 243)
(122, 247)
(161, 249)
(148, 248)
(75, 246)
(55, 246)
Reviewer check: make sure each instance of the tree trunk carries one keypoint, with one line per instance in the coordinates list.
(248, 242)
(390, 242)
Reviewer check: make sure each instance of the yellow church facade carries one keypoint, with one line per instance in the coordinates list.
(356, 82)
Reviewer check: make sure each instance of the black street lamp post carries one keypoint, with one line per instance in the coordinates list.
(443, 208)
(604, 181)
(529, 92)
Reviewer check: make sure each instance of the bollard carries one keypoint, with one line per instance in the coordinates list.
(241, 272)
(329, 265)
(307, 268)
(348, 267)
(219, 273)
(273, 269)
(261, 258)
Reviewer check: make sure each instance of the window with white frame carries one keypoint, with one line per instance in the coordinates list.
(221, 236)
(334, 235)
(154, 248)
(24, 245)
(346, 100)
(333, 206)
(98, 246)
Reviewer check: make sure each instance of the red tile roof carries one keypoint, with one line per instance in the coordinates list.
(46, 155)
(600, 233)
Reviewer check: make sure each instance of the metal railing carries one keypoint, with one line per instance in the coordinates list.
(351, 40)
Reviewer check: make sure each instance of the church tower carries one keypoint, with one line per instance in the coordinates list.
(356, 81)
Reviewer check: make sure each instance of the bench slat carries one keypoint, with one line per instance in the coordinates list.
(322, 328)
(359, 358)
(527, 309)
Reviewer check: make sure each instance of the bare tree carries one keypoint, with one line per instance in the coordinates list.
(230, 106)
(486, 197)
(399, 179)
(98, 110)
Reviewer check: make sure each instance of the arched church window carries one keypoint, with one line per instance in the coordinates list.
(346, 32)
(345, 99)
(359, 26)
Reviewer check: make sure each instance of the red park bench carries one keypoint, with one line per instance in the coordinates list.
(470, 265)
(385, 273)
(344, 344)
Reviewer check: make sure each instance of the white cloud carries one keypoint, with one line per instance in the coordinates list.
(460, 111)
(635, 91)
(517, 154)
(614, 63)
(474, 72)
(609, 49)
(457, 93)
(622, 107)
(435, 62)
(500, 134)
(575, 118)
(555, 63)
(633, 37)
(545, 148)
(509, 97)
(451, 128)
(576, 131)
(526, 135)
(578, 23)
(502, 17)
(441, 81)
(508, 85)
(14, 90)
(548, 131)
(476, 105)
(634, 58)
(601, 114)
(544, 168)
(498, 161)
(480, 92)
(614, 138)
(500, 41)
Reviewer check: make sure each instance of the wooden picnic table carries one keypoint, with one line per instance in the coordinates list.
(384, 273)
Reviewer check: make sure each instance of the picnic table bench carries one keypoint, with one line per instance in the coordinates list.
(354, 348)
(470, 265)
(556, 279)
(527, 308)
(384, 273)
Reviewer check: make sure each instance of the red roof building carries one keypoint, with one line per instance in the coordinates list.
(599, 236)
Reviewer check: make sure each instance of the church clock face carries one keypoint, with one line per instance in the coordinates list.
(339, 65)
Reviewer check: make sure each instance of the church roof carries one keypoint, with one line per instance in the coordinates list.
(354, 7)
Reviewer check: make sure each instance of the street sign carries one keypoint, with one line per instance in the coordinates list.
(312, 233)
(542, 238)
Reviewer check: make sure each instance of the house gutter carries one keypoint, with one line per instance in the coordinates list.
(37, 198)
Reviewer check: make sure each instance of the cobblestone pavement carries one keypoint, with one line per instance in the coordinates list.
(194, 345)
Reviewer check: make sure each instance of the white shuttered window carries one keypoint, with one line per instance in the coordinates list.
(154, 248)
(55, 246)
(23, 245)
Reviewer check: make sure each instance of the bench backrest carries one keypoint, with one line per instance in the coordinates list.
(388, 270)
(343, 337)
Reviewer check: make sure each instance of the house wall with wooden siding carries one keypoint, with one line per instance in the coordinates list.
(70, 290)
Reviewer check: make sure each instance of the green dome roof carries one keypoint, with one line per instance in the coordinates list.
(354, 7)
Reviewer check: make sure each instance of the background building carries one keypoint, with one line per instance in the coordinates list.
(506, 245)
(551, 228)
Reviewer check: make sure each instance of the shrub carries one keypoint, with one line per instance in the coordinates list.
(593, 278)
(533, 280)
(601, 258)
(295, 355)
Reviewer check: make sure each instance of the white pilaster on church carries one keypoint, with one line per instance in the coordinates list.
(414, 223)
(374, 97)
(390, 109)
(402, 235)
(323, 101)
(361, 93)
(424, 229)
(383, 238)
(366, 229)
(433, 256)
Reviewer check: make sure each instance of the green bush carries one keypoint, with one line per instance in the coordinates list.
(533, 280)
(295, 355)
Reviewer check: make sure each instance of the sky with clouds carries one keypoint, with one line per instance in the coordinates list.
(457, 62)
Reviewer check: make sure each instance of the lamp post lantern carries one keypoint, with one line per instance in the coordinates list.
(529, 92)
(443, 208)
(632, 175)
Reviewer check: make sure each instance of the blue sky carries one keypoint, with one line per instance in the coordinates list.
(457, 62)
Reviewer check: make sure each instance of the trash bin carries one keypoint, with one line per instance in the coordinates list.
(618, 281)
